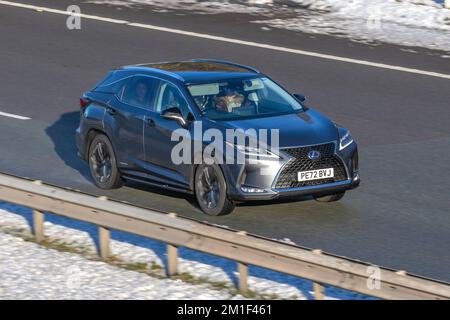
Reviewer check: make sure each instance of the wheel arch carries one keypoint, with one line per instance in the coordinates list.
(92, 133)
(225, 176)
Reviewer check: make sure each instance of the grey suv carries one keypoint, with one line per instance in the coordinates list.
(134, 119)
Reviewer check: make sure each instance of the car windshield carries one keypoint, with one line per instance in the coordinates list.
(243, 98)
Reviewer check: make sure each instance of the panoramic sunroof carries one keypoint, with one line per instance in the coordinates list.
(195, 66)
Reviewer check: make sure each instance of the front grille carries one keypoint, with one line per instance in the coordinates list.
(288, 177)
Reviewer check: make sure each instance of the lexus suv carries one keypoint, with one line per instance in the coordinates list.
(221, 131)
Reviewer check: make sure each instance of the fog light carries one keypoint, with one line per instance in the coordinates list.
(251, 189)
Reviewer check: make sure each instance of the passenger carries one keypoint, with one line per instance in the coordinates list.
(140, 94)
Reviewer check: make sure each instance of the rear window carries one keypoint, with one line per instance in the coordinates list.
(112, 83)
(106, 80)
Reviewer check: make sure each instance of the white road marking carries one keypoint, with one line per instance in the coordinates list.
(235, 41)
(15, 116)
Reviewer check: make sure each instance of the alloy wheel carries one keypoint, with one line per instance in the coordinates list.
(101, 162)
(209, 187)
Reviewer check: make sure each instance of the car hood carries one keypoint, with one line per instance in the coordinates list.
(304, 128)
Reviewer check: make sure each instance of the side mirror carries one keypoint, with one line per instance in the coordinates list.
(300, 97)
(174, 114)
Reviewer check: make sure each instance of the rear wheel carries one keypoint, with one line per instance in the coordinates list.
(330, 198)
(102, 163)
(211, 190)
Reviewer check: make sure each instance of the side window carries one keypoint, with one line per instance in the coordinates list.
(170, 97)
(138, 91)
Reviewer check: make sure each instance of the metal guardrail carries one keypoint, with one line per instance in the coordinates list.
(246, 249)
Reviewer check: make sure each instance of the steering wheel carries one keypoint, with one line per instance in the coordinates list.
(203, 103)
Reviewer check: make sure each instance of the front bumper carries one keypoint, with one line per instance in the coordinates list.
(264, 187)
(316, 191)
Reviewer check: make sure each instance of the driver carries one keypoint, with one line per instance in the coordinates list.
(231, 99)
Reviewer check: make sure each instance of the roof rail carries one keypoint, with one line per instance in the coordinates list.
(227, 63)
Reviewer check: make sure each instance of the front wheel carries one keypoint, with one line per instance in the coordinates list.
(211, 190)
(330, 198)
(102, 163)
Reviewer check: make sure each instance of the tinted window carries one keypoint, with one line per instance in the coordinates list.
(138, 91)
(170, 97)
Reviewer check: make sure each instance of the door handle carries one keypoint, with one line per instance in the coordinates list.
(111, 111)
(151, 122)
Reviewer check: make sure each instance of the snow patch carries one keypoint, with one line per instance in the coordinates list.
(133, 249)
(205, 7)
(421, 23)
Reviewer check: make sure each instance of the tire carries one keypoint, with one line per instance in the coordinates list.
(103, 163)
(211, 190)
(331, 197)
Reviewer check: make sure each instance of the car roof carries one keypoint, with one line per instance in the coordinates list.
(196, 70)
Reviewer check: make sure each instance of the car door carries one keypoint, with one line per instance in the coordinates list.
(157, 137)
(124, 119)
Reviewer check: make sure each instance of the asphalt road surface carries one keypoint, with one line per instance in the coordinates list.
(398, 218)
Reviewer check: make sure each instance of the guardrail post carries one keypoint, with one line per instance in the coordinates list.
(104, 238)
(243, 277)
(318, 291)
(243, 271)
(38, 225)
(172, 260)
(172, 255)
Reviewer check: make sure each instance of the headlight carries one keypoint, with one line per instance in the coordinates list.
(254, 152)
(345, 140)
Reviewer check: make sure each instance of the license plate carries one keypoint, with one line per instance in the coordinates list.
(316, 174)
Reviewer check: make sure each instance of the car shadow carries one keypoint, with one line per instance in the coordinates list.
(275, 201)
(163, 192)
(62, 134)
